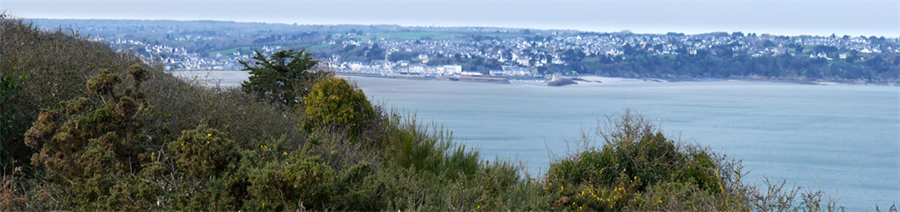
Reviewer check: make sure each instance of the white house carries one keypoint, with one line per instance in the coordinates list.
(452, 69)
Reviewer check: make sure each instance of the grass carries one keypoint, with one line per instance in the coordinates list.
(411, 36)
(315, 48)
(232, 50)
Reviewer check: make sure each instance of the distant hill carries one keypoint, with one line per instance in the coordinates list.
(201, 45)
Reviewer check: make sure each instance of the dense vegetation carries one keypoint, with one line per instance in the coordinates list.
(93, 129)
(722, 62)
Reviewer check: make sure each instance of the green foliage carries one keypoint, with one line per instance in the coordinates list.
(722, 62)
(635, 159)
(650, 160)
(334, 102)
(76, 141)
(181, 105)
(281, 78)
(410, 145)
(204, 153)
(104, 83)
(56, 64)
(9, 88)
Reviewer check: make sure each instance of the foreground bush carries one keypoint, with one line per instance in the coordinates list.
(92, 149)
(638, 168)
(46, 68)
(334, 102)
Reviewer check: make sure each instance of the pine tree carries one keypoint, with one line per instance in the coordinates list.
(281, 78)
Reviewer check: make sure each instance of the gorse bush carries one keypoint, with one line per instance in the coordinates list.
(635, 167)
(86, 146)
(203, 152)
(650, 160)
(56, 64)
(635, 151)
(334, 102)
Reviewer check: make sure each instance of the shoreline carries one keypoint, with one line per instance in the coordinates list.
(228, 78)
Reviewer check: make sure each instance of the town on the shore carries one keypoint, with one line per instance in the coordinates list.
(390, 50)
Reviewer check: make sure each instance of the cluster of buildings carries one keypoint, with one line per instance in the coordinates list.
(404, 67)
(178, 59)
(521, 56)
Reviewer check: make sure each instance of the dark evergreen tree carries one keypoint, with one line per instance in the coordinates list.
(280, 78)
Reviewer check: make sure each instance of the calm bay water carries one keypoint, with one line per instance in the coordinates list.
(843, 139)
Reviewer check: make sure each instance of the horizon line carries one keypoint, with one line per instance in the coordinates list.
(444, 26)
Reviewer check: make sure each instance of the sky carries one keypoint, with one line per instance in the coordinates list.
(787, 17)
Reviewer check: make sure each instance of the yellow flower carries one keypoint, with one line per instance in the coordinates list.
(479, 207)
(182, 143)
(207, 142)
(209, 135)
(285, 153)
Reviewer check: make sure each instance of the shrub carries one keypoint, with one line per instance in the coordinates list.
(9, 89)
(57, 64)
(408, 144)
(94, 154)
(334, 102)
(203, 153)
(635, 157)
(181, 105)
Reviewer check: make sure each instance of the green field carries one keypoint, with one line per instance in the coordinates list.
(232, 50)
(409, 35)
(318, 47)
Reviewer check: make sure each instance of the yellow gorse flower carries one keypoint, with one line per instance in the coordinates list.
(209, 135)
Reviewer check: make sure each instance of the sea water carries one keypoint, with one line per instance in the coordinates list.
(841, 139)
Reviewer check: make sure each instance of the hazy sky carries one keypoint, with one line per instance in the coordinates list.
(791, 17)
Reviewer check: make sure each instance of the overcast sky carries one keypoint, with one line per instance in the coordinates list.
(791, 17)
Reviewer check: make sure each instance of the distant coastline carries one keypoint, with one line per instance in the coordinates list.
(491, 51)
(229, 78)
